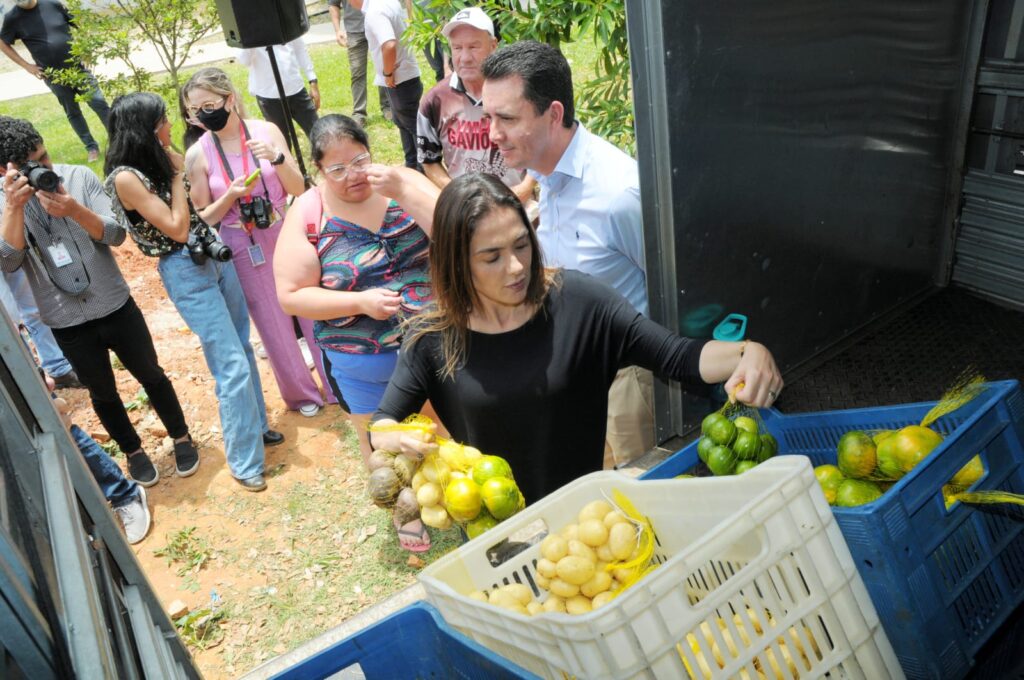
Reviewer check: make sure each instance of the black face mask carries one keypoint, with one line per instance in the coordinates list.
(215, 120)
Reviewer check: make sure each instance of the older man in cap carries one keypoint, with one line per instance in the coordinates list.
(452, 134)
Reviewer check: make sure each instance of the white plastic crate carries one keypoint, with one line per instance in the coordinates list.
(763, 542)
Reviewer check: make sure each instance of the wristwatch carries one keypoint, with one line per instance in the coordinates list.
(279, 160)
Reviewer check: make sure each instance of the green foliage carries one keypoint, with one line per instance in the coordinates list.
(112, 449)
(140, 401)
(201, 628)
(170, 27)
(189, 551)
(603, 102)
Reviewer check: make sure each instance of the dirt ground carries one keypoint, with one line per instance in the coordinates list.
(276, 567)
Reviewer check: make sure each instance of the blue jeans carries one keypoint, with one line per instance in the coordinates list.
(67, 98)
(116, 488)
(209, 299)
(50, 356)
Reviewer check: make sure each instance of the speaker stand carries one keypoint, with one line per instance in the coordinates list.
(289, 131)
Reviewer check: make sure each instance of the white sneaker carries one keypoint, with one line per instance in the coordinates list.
(260, 350)
(135, 517)
(306, 354)
(309, 410)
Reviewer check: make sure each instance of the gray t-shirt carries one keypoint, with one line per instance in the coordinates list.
(352, 18)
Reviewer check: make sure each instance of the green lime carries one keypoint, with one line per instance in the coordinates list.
(709, 420)
(704, 447)
(747, 445)
(769, 447)
(854, 492)
(856, 455)
(746, 424)
(482, 523)
(490, 466)
(722, 431)
(721, 460)
(745, 465)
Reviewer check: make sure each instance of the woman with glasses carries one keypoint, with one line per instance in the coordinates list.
(353, 256)
(146, 183)
(250, 213)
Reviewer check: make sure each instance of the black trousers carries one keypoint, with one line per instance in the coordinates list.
(125, 332)
(302, 108)
(405, 104)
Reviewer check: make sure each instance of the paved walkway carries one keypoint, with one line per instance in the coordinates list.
(17, 84)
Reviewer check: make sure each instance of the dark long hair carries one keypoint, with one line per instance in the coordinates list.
(133, 142)
(461, 207)
(333, 127)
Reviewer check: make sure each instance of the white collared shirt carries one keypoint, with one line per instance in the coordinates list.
(292, 61)
(590, 216)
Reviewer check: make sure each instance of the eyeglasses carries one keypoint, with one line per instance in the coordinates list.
(208, 107)
(339, 172)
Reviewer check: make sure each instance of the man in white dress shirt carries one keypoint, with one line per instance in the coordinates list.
(293, 62)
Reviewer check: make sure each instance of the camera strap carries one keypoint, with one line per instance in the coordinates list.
(229, 177)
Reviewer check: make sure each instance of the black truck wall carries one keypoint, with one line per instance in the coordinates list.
(800, 162)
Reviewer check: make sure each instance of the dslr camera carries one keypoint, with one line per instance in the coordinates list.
(257, 212)
(202, 247)
(39, 176)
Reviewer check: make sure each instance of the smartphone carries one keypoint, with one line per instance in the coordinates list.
(253, 177)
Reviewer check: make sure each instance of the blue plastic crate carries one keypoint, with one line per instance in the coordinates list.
(942, 580)
(414, 642)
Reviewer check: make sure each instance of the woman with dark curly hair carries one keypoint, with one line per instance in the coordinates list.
(146, 180)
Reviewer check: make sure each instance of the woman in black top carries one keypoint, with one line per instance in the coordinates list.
(517, 359)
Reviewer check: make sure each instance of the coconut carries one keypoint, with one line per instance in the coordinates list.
(381, 458)
(383, 487)
(406, 507)
(405, 468)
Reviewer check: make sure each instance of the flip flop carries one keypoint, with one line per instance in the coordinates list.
(422, 534)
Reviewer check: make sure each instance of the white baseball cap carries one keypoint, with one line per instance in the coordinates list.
(474, 16)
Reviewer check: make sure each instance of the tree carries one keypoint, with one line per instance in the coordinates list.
(603, 103)
(171, 27)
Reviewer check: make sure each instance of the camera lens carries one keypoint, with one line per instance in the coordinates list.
(218, 251)
(40, 177)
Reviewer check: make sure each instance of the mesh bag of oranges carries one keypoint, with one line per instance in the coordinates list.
(456, 484)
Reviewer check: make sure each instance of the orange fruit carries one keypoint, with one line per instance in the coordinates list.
(854, 492)
(856, 455)
(901, 452)
(462, 499)
(829, 477)
(501, 496)
(969, 474)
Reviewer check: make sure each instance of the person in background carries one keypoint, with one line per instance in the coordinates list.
(17, 299)
(385, 22)
(146, 179)
(590, 217)
(353, 256)
(292, 61)
(518, 359)
(44, 27)
(250, 218)
(452, 134)
(351, 35)
(62, 241)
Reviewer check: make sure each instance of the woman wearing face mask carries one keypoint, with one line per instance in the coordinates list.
(353, 255)
(147, 186)
(250, 216)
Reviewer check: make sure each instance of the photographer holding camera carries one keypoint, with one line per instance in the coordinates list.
(58, 227)
(145, 176)
(250, 214)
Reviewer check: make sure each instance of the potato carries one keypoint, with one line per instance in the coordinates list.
(593, 532)
(602, 599)
(516, 607)
(554, 547)
(502, 599)
(563, 589)
(604, 553)
(570, 532)
(419, 480)
(428, 494)
(622, 575)
(554, 603)
(580, 549)
(598, 583)
(435, 470)
(595, 510)
(546, 568)
(435, 516)
(478, 595)
(578, 605)
(542, 581)
(622, 540)
(519, 591)
(575, 570)
(535, 608)
(614, 517)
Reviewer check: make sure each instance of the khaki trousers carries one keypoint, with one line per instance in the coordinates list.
(630, 432)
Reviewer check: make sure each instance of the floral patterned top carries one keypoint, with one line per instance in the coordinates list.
(150, 240)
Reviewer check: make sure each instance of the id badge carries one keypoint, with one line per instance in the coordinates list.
(59, 254)
(256, 255)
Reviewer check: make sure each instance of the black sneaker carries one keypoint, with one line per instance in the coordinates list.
(67, 381)
(140, 468)
(272, 438)
(186, 458)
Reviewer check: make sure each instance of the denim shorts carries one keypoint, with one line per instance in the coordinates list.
(361, 378)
